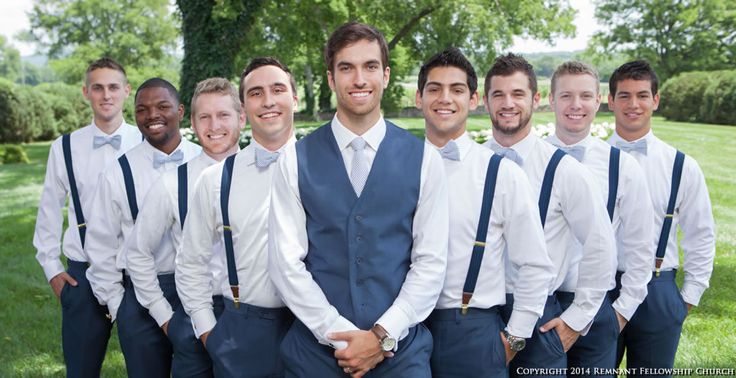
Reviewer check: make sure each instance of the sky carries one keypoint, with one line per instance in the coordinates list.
(13, 19)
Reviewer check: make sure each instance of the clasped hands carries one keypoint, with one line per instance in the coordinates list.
(362, 354)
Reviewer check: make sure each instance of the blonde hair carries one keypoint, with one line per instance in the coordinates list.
(574, 68)
(217, 85)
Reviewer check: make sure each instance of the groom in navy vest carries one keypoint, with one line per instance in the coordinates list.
(358, 229)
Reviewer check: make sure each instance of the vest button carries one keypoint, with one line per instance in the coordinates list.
(360, 282)
(358, 218)
(359, 260)
(359, 238)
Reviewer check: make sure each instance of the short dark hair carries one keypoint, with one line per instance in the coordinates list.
(507, 65)
(449, 57)
(104, 62)
(635, 70)
(260, 62)
(350, 33)
(158, 82)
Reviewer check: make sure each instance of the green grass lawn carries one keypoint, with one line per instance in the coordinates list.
(30, 319)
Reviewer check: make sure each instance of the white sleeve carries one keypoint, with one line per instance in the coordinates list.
(50, 218)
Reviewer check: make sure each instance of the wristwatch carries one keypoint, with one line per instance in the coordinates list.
(515, 343)
(387, 342)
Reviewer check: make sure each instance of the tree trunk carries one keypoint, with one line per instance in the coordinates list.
(310, 109)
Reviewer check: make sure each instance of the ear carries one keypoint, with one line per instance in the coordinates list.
(656, 101)
(331, 80)
(85, 92)
(181, 112)
(386, 76)
(127, 90)
(597, 102)
(610, 102)
(418, 99)
(473, 101)
(535, 100)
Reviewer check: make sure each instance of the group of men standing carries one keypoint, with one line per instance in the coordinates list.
(362, 250)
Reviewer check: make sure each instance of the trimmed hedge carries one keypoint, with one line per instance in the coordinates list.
(13, 154)
(700, 96)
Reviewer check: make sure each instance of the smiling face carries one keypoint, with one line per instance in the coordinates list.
(269, 104)
(217, 124)
(106, 90)
(157, 114)
(633, 105)
(575, 102)
(510, 102)
(358, 80)
(445, 103)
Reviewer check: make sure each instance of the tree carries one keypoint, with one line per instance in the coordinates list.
(139, 34)
(9, 60)
(673, 35)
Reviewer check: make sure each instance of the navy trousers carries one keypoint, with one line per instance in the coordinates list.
(650, 338)
(146, 348)
(190, 357)
(467, 345)
(543, 350)
(246, 340)
(85, 328)
(305, 357)
(594, 353)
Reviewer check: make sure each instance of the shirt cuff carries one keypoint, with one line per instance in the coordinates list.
(161, 311)
(626, 306)
(203, 321)
(52, 269)
(521, 323)
(340, 325)
(113, 305)
(575, 318)
(691, 292)
(395, 322)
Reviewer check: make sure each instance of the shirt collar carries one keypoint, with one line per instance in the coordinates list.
(585, 142)
(373, 136)
(464, 143)
(155, 150)
(649, 136)
(119, 131)
(523, 147)
(249, 153)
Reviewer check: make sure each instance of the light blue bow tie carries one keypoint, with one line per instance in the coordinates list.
(639, 146)
(575, 151)
(159, 159)
(508, 153)
(113, 141)
(450, 151)
(265, 158)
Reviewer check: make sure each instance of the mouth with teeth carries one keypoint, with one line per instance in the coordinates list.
(216, 136)
(445, 112)
(360, 95)
(154, 126)
(632, 115)
(269, 115)
(506, 115)
(575, 117)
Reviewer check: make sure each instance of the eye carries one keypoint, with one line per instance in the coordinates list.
(565, 96)
(344, 68)
(279, 90)
(254, 93)
(373, 67)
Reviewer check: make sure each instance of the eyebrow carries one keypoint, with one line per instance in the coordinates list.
(261, 87)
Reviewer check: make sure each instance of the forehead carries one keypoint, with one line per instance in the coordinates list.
(153, 95)
(265, 76)
(516, 81)
(447, 75)
(634, 86)
(359, 52)
(214, 102)
(576, 83)
(105, 76)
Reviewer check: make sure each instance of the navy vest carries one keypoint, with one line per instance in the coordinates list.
(360, 248)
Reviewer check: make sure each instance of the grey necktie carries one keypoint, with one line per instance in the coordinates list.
(360, 169)
(507, 153)
(114, 141)
(450, 151)
(578, 152)
(639, 146)
(160, 159)
(265, 158)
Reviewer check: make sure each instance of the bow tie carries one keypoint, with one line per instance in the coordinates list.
(450, 151)
(113, 141)
(575, 151)
(159, 159)
(508, 153)
(265, 158)
(639, 146)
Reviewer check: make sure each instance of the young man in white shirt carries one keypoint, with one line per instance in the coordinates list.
(358, 229)
(493, 217)
(575, 99)
(679, 198)
(122, 186)
(244, 341)
(217, 118)
(570, 210)
(74, 164)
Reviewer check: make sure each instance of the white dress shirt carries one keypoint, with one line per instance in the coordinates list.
(158, 217)
(692, 213)
(631, 220)
(111, 224)
(288, 244)
(249, 202)
(514, 229)
(88, 162)
(576, 214)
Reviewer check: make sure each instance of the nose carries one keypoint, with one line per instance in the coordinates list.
(575, 102)
(445, 96)
(507, 102)
(268, 100)
(359, 78)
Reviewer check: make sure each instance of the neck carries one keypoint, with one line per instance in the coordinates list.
(111, 126)
(273, 143)
(632, 135)
(441, 139)
(359, 124)
(570, 138)
(221, 156)
(508, 140)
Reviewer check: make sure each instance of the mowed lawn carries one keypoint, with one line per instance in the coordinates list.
(30, 316)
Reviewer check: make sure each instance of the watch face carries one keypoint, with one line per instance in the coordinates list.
(518, 345)
(388, 344)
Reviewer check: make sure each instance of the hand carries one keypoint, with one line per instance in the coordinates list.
(621, 321)
(165, 327)
(568, 336)
(510, 354)
(362, 354)
(689, 306)
(204, 336)
(57, 283)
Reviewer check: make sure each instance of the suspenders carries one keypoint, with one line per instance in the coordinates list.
(129, 186)
(67, 149)
(232, 273)
(667, 224)
(613, 168)
(480, 239)
(549, 177)
(182, 181)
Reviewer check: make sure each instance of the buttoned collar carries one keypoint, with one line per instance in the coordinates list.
(343, 135)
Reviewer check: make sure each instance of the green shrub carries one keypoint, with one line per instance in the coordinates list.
(37, 121)
(11, 130)
(720, 100)
(69, 107)
(14, 154)
(700, 96)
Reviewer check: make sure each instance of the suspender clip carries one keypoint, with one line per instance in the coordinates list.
(227, 228)
(236, 295)
(669, 215)
(658, 264)
(82, 225)
(479, 244)
(466, 300)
